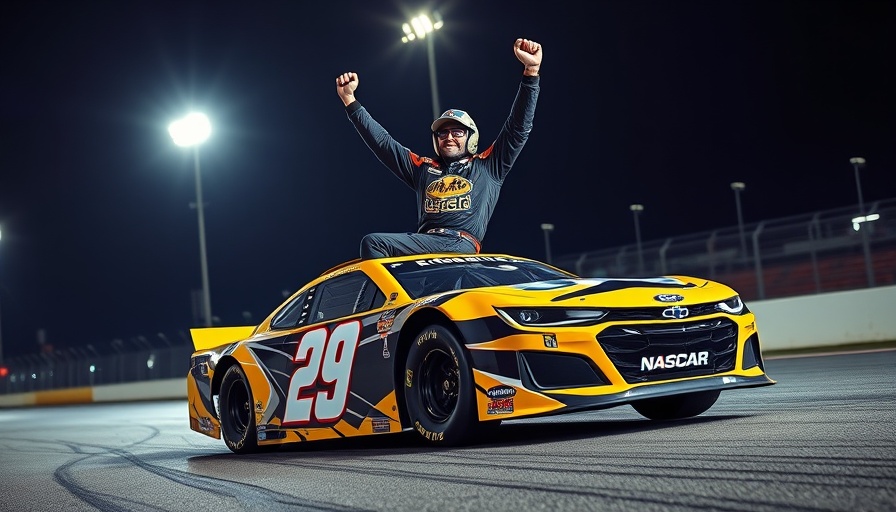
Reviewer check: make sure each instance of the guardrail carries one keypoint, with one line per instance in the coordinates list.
(821, 252)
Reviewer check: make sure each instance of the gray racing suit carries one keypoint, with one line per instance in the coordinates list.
(456, 199)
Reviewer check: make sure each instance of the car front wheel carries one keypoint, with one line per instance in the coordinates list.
(439, 393)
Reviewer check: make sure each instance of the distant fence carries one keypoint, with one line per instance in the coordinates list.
(820, 252)
(60, 370)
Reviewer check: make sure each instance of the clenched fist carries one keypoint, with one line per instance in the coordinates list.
(346, 84)
(528, 52)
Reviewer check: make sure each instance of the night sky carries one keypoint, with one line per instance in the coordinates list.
(662, 103)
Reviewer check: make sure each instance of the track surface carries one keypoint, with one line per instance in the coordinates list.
(823, 438)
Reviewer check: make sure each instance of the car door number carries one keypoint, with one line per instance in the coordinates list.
(318, 389)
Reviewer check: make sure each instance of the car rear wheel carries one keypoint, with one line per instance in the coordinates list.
(439, 392)
(677, 406)
(237, 415)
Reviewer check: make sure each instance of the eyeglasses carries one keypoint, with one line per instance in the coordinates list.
(454, 132)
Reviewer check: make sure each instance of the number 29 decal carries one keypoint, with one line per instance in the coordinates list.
(318, 388)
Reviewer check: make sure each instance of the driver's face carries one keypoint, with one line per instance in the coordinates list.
(452, 139)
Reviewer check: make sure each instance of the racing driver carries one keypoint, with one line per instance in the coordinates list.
(458, 189)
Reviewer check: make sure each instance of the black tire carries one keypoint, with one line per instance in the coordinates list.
(439, 391)
(676, 407)
(236, 412)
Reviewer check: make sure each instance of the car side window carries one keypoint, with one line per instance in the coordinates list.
(344, 295)
(293, 314)
(370, 297)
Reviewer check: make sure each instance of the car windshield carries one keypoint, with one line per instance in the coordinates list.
(425, 277)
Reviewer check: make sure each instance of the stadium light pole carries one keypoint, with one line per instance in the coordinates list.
(547, 228)
(191, 131)
(858, 163)
(419, 27)
(738, 187)
(636, 211)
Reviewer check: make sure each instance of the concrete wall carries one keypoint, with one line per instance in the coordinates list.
(828, 319)
(127, 392)
(811, 321)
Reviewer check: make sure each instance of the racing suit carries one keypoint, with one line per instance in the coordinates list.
(456, 199)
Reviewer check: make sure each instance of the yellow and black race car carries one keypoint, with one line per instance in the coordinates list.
(449, 345)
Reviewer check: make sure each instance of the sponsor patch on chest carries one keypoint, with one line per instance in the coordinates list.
(448, 194)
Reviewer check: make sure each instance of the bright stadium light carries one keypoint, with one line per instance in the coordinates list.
(419, 26)
(857, 221)
(193, 129)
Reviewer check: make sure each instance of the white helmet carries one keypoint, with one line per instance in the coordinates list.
(457, 116)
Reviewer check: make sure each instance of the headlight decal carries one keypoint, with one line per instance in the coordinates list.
(552, 317)
(734, 306)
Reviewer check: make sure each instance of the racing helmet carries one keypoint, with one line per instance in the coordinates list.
(458, 116)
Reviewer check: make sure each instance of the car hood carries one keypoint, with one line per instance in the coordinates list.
(612, 292)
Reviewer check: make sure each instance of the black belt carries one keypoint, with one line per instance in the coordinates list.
(461, 234)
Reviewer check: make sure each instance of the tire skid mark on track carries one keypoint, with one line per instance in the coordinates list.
(251, 497)
(102, 501)
(692, 501)
(792, 470)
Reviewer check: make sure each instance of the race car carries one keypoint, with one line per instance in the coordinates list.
(450, 345)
